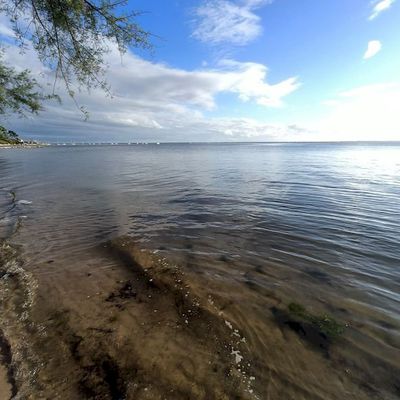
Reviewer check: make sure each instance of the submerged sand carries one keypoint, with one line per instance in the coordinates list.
(5, 387)
(129, 324)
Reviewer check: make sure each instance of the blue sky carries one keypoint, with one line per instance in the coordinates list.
(240, 70)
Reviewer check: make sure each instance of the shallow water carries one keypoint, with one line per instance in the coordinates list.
(313, 223)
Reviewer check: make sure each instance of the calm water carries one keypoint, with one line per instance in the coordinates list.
(325, 216)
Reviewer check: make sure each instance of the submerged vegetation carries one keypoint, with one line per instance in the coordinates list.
(318, 330)
(325, 324)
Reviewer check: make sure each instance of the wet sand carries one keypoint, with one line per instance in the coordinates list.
(124, 323)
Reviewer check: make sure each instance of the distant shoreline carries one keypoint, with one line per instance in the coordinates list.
(145, 144)
(134, 143)
(22, 146)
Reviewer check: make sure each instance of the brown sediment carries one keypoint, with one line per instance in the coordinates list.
(5, 387)
(132, 325)
(142, 336)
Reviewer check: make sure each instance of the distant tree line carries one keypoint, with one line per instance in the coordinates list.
(9, 137)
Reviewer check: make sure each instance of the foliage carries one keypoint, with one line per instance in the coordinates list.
(8, 137)
(324, 324)
(19, 92)
(71, 37)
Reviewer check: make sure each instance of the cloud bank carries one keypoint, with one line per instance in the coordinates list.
(153, 101)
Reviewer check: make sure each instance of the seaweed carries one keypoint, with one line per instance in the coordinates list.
(325, 324)
(125, 292)
(320, 331)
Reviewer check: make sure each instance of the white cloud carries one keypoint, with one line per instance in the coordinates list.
(247, 129)
(380, 5)
(157, 101)
(364, 113)
(374, 47)
(249, 81)
(224, 21)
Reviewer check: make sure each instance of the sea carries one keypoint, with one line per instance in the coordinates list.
(316, 224)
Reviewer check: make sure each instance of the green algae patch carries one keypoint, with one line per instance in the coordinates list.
(325, 324)
(319, 331)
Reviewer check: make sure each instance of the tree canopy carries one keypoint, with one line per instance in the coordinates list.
(72, 38)
(8, 137)
(19, 92)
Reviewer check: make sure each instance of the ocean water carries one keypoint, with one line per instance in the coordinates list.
(318, 224)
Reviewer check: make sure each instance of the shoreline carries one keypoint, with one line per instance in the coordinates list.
(22, 146)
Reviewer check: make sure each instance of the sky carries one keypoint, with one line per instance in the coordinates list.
(237, 70)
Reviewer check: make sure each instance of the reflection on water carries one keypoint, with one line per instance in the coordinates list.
(261, 225)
